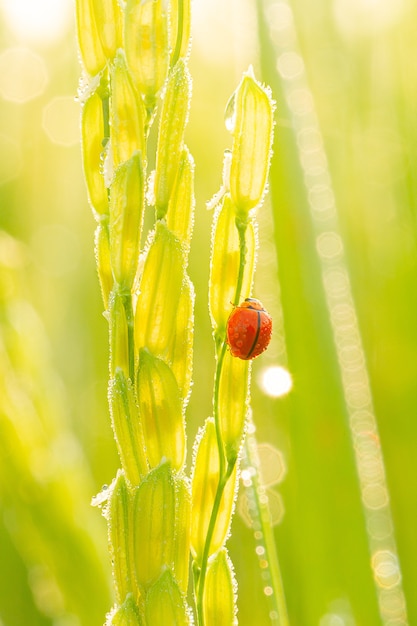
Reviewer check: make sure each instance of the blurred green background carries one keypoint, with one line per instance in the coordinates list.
(345, 79)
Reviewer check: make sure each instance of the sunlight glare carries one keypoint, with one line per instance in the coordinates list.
(276, 381)
(43, 21)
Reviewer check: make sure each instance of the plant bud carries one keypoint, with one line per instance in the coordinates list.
(180, 353)
(127, 115)
(91, 49)
(219, 600)
(224, 267)
(147, 45)
(250, 119)
(99, 32)
(160, 291)
(172, 124)
(126, 217)
(119, 342)
(180, 216)
(92, 132)
(126, 615)
(119, 513)
(108, 17)
(127, 428)
(204, 486)
(165, 605)
(233, 403)
(181, 553)
(102, 253)
(160, 411)
(154, 523)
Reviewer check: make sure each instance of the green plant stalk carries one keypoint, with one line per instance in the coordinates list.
(224, 473)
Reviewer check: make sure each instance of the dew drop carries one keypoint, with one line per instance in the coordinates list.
(230, 113)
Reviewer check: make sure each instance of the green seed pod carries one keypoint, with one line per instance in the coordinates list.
(102, 252)
(119, 515)
(180, 27)
(160, 291)
(219, 600)
(91, 49)
(181, 550)
(180, 216)
(127, 114)
(160, 411)
(251, 120)
(147, 45)
(233, 403)
(126, 217)
(154, 523)
(172, 124)
(126, 615)
(165, 605)
(204, 485)
(127, 428)
(224, 267)
(180, 353)
(92, 132)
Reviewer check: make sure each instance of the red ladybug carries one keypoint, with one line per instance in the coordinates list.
(249, 329)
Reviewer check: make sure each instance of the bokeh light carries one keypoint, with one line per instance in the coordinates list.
(23, 74)
(11, 159)
(275, 381)
(61, 120)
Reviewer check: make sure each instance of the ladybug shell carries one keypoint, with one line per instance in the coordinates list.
(249, 329)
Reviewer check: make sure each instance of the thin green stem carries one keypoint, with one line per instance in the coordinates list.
(224, 473)
(278, 613)
(241, 229)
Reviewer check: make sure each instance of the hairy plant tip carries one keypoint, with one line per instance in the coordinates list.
(99, 28)
(174, 116)
(161, 412)
(220, 592)
(127, 196)
(225, 264)
(127, 114)
(120, 534)
(165, 604)
(146, 40)
(204, 485)
(125, 615)
(250, 119)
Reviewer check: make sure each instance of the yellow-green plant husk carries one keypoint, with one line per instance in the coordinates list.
(220, 592)
(160, 410)
(204, 486)
(165, 603)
